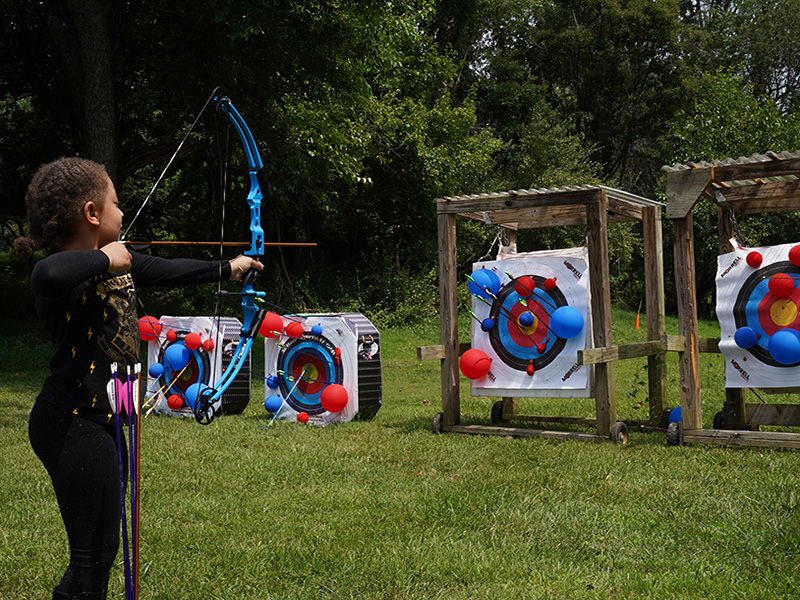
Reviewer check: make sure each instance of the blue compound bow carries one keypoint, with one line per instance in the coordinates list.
(203, 406)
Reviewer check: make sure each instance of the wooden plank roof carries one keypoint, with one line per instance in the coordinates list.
(545, 207)
(750, 184)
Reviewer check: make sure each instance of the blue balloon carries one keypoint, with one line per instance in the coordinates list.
(193, 391)
(676, 415)
(483, 279)
(177, 356)
(273, 403)
(487, 324)
(566, 322)
(316, 330)
(273, 382)
(156, 370)
(784, 346)
(745, 337)
(526, 319)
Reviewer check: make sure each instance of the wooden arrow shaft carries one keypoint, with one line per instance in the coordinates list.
(185, 243)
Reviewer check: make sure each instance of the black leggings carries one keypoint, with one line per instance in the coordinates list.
(81, 457)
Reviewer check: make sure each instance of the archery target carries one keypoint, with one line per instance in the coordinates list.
(332, 349)
(539, 322)
(757, 308)
(203, 367)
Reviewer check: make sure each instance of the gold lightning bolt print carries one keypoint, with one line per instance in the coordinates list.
(89, 333)
(91, 367)
(73, 352)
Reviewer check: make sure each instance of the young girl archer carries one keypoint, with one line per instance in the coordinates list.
(86, 300)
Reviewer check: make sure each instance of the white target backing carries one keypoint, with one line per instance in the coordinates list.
(750, 315)
(343, 349)
(528, 357)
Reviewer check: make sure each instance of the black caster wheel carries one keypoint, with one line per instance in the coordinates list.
(497, 413)
(437, 426)
(719, 420)
(674, 434)
(619, 433)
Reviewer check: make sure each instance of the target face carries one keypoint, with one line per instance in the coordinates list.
(304, 366)
(203, 366)
(531, 355)
(517, 343)
(177, 380)
(307, 365)
(757, 308)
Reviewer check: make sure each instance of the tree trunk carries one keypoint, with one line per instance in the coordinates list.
(80, 29)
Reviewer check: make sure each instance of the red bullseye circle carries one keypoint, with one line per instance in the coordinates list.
(776, 313)
(309, 371)
(527, 336)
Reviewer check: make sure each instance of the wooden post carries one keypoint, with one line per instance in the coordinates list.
(735, 408)
(655, 307)
(599, 276)
(683, 229)
(448, 319)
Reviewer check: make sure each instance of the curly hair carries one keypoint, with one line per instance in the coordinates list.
(56, 195)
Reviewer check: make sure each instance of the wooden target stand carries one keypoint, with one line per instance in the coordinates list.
(754, 185)
(592, 207)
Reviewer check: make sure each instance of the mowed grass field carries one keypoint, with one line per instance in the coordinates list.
(385, 509)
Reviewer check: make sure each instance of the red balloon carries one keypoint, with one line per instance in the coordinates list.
(193, 341)
(474, 363)
(530, 369)
(781, 285)
(334, 397)
(271, 326)
(171, 335)
(302, 417)
(524, 286)
(794, 255)
(754, 259)
(550, 284)
(294, 329)
(175, 402)
(208, 345)
(149, 328)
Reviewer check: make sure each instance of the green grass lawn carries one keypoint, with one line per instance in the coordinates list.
(385, 509)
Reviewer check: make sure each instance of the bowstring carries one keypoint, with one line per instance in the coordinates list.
(223, 155)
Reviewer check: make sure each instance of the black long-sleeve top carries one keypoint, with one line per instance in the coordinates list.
(91, 316)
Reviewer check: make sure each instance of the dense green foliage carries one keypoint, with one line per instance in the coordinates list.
(367, 111)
